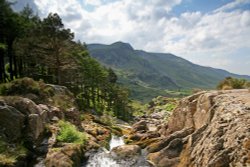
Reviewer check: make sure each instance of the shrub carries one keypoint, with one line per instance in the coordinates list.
(69, 134)
(233, 83)
(20, 86)
(170, 106)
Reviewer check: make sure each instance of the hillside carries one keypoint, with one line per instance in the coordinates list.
(144, 71)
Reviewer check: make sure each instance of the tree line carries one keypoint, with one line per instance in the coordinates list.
(45, 49)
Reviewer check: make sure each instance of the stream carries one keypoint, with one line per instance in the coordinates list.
(103, 158)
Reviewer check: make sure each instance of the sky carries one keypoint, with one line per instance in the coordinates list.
(213, 33)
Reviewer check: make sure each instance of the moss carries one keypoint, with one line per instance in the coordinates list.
(116, 130)
(69, 134)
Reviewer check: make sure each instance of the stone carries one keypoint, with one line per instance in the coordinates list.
(24, 105)
(140, 126)
(125, 151)
(36, 126)
(11, 122)
(206, 129)
(68, 156)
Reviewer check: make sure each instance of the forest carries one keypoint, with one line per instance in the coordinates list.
(43, 49)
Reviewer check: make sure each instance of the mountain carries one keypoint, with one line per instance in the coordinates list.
(149, 74)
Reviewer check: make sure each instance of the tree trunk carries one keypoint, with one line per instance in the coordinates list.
(10, 56)
(2, 71)
(15, 65)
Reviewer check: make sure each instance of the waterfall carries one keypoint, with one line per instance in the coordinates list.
(102, 158)
(115, 141)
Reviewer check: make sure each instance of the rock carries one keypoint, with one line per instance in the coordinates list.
(101, 133)
(140, 126)
(68, 156)
(11, 122)
(55, 112)
(72, 115)
(24, 105)
(166, 141)
(125, 151)
(206, 129)
(36, 126)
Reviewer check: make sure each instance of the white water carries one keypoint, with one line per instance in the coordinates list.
(115, 141)
(102, 158)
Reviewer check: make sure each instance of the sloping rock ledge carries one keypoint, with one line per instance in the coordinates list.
(209, 129)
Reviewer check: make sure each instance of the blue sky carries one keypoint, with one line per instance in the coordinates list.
(213, 33)
(199, 5)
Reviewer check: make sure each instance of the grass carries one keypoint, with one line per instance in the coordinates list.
(25, 86)
(69, 133)
(10, 153)
(170, 106)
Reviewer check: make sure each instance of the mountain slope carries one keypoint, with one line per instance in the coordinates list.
(154, 72)
(132, 68)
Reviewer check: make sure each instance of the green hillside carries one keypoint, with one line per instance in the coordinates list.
(149, 74)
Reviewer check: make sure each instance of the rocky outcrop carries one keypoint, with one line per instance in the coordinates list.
(125, 151)
(68, 156)
(30, 116)
(140, 135)
(206, 129)
(22, 118)
(158, 111)
(140, 126)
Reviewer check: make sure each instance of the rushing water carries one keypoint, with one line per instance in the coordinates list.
(103, 157)
(115, 141)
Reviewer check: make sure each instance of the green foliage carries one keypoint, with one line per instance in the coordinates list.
(170, 106)
(69, 134)
(9, 154)
(233, 83)
(162, 103)
(2, 46)
(138, 108)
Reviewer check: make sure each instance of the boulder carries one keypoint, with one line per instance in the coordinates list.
(206, 129)
(36, 126)
(24, 105)
(125, 151)
(67, 156)
(140, 126)
(11, 122)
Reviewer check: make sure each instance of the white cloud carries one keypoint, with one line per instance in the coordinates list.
(150, 25)
(232, 5)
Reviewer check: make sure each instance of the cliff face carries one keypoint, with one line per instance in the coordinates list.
(207, 129)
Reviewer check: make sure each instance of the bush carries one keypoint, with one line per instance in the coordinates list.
(170, 106)
(69, 134)
(233, 83)
(20, 86)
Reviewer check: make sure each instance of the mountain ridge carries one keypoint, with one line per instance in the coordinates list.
(156, 71)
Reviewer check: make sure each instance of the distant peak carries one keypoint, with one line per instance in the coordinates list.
(122, 45)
